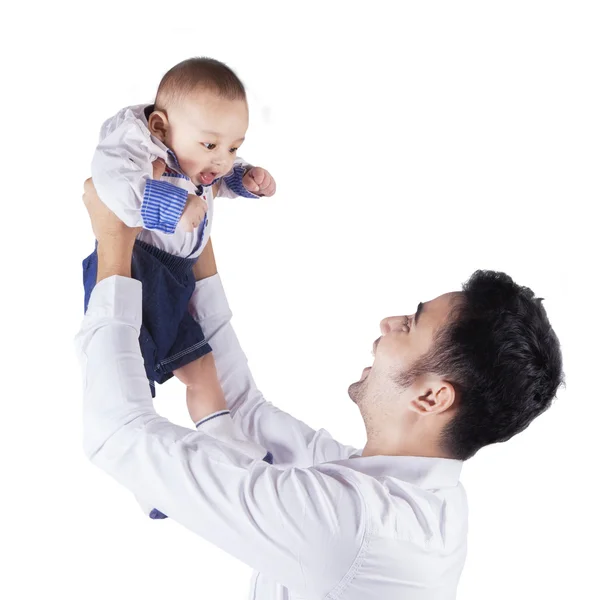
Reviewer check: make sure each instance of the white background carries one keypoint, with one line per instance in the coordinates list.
(412, 143)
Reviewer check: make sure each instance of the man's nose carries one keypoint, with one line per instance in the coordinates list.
(390, 323)
(384, 326)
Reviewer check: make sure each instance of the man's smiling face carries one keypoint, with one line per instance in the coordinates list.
(404, 339)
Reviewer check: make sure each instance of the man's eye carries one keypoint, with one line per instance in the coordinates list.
(210, 146)
(233, 150)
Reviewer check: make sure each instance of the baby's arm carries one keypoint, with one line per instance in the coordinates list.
(122, 175)
(231, 185)
(246, 181)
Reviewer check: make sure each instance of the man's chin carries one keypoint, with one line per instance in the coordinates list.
(354, 391)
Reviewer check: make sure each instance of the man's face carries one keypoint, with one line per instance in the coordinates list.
(404, 339)
(205, 132)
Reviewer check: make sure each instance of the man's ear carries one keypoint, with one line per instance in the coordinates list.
(434, 398)
(158, 124)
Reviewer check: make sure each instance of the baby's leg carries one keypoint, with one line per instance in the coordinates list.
(204, 394)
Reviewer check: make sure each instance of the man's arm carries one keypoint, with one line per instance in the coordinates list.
(303, 528)
(289, 440)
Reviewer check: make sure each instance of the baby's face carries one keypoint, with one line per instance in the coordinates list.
(205, 132)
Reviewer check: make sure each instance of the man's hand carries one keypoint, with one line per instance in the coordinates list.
(193, 213)
(106, 225)
(115, 239)
(259, 181)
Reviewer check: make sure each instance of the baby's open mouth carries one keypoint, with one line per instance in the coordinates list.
(207, 178)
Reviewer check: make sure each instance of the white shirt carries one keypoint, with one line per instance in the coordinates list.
(122, 175)
(321, 522)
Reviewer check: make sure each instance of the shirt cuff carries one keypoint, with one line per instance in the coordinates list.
(234, 182)
(210, 418)
(117, 298)
(162, 205)
(209, 299)
(222, 427)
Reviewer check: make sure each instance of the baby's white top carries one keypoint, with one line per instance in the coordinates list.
(122, 167)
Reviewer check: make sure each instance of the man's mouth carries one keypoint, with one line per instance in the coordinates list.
(374, 349)
(375, 344)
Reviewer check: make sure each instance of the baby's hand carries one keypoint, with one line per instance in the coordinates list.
(193, 213)
(259, 181)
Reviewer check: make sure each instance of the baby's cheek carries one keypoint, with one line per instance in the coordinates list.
(191, 165)
(228, 165)
(189, 155)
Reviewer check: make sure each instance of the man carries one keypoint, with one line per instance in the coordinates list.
(467, 369)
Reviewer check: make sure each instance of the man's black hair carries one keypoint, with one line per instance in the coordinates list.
(503, 358)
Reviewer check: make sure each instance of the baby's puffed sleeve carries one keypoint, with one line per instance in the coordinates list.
(231, 184)
(122, 175)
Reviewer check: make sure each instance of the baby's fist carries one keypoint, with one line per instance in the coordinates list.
(259, 181)
(193, 213)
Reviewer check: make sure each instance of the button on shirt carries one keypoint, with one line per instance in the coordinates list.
(322, 522)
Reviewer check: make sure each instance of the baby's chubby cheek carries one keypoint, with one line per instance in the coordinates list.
(191, 166)
(189, 154)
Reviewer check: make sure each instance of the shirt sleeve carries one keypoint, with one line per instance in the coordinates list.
(288, 439)
(231, 185)
(230, 433)
(303, 528)
(122, 175)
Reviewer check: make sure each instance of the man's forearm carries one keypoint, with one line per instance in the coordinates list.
(205, 265)
(114, 257)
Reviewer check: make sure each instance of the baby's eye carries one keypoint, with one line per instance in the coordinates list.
(233, 150)
(209, 146)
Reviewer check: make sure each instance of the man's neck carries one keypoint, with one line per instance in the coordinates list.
(379, 444)
(375, 450)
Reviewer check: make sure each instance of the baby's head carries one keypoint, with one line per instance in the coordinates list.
(201, 114)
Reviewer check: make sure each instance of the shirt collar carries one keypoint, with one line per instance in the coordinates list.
(422, 471)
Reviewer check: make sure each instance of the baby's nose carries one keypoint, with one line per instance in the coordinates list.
(222, 157)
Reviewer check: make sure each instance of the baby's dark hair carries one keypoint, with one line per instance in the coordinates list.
(198, 74)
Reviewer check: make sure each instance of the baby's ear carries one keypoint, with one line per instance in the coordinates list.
(158, 124)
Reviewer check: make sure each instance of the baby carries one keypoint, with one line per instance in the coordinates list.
(196, 126)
